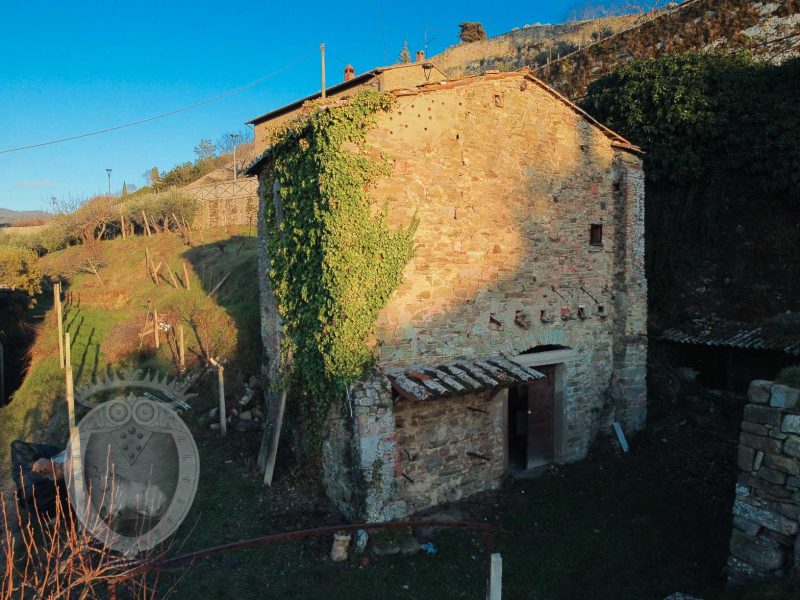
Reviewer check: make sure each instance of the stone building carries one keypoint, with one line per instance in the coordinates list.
(519, 332)
(380, 79)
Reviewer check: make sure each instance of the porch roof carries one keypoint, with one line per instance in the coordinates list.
(420, 383)
(745, 336)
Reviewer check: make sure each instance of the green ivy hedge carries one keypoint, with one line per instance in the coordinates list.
(334, 261)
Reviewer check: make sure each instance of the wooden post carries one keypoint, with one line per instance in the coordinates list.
(172, 277)
(495, 591)
(149, 267)
(74, 434)
(2, 376)
(181, 349)
(269, 467)
(155, 323)
(69, 382)
(146, 226)
(60, 319)
(223, 417)
(322, 52)
(122, 223)
(185, 275)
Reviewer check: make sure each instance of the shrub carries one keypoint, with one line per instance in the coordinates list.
(188, 172)
(789, 376)
(159, 208)
(704, 116)
(471, 32)
(19, 270)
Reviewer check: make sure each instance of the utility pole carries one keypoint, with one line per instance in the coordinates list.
(109, 181)
(322, 51)
(428, 41)
(234, 137)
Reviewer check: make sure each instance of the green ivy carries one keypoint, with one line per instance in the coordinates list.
(334, 261)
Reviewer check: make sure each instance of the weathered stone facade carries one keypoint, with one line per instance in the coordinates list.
(383, 459)
(766, 513)
(450, 449)
(506, 181)
(382, 79)
(510, 183)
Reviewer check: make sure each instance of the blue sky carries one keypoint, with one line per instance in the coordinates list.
(68, 67)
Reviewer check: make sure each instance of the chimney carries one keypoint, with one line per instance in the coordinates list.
(420, 55)
(349, 72)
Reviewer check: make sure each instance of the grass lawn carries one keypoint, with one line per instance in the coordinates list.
(620, 526)
(105, 317)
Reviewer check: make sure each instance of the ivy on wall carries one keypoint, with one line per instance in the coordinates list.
(334, 261)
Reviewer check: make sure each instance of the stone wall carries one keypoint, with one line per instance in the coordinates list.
(506, 181)
(384, 460)
(449, 449)
(360, 453)
(224, 203)
(391, 78)
(766, 513)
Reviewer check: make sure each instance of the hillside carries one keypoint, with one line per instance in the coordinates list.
(770, 30)
(528, 45)
(22, 216)
(105, 319)
(245, 153)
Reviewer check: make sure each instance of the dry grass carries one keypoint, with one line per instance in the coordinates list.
(104, 321)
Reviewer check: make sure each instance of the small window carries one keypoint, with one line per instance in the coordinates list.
(596, 235)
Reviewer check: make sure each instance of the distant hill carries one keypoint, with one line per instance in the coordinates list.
(22, 217)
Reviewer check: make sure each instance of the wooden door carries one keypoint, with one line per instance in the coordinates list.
(542, 419)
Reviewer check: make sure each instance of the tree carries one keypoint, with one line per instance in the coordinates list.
(205, 149)
(20, 270)
(405, 54)
(152, 176)
(471, 32)
(124, 188)
(225, 143)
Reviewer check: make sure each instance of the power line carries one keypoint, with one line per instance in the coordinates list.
(163, 115)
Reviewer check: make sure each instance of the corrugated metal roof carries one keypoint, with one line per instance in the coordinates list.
(460, 377)
(730, 334)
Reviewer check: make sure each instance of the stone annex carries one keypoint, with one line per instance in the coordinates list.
(519, 333)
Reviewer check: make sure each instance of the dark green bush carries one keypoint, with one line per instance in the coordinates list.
(789, 376)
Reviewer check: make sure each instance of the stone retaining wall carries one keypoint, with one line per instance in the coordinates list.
(226, 212)
(766, 513)
(225, 203)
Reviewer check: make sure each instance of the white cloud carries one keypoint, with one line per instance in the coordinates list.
(34, 183)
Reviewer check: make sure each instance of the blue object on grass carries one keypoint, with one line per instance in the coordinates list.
(430, 548)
